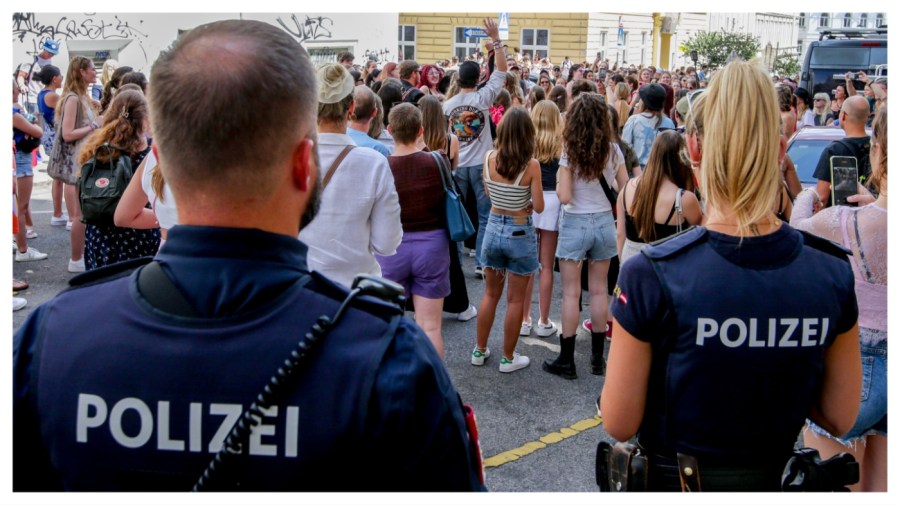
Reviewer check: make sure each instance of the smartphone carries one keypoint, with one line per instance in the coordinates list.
(844, 178)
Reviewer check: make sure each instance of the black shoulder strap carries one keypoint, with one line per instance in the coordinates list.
(826, 246)
(607, 191)
(159, 290)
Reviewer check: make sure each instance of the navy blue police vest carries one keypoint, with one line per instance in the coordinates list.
(131, 400)
(734, 380)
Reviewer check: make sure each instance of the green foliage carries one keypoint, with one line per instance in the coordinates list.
(787, 65)
(714, 48)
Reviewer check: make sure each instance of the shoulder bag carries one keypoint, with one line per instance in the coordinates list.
(61, 163)
(459, 226)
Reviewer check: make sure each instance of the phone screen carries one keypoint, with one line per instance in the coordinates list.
(844, 178)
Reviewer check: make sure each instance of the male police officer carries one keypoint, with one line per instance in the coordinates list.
(114, 392)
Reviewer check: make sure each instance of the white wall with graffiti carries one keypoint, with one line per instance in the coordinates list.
(137, 39)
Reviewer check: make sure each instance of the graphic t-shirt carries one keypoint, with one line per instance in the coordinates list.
(469, 113)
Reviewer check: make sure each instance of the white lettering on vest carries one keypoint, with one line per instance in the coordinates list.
(115, 422)
(786, 338)
(735, 332)
(92, 412)
(163, 441)
(83, 419)
(232, 413)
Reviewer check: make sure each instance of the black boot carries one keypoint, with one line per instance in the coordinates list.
(598, 363)
(564, 364)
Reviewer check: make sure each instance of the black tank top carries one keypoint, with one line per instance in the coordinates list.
(661, 230)
(548, 174)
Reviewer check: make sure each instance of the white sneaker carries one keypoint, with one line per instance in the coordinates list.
(19, 303)
(546, 330)
(30, 233)
(478, 357)
(31, 254)
(59, 221)
(479, 272)
(471, 253)
(76, 266)
(518, 362)
(68, 225)
(467, 314)
(525, 330)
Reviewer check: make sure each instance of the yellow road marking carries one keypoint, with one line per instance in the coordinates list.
(550, 438)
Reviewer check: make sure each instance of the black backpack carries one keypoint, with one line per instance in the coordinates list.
(102, 184)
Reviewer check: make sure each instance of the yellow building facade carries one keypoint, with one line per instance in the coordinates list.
(439, 36)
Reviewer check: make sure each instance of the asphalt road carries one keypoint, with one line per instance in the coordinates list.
(538, 432)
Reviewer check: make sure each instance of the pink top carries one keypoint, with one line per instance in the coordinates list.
(870, 296)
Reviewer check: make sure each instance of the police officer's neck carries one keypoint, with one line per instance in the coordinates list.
(727, 224)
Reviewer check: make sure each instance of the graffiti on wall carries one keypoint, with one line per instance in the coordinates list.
(313, 28)
(27, 27)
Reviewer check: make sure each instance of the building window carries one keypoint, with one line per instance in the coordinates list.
(823, 20)
(463, 46)
(643, 47)
(603, 45)
(406, 37)
(879, 20)
(535, 43)
(848, 18)
(802, 20)
(863, 20)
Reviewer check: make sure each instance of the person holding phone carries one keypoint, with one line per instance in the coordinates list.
(853, 116)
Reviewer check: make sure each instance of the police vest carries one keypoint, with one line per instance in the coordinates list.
(129, 398)
(735, 377)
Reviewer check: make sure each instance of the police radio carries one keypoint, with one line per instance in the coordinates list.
(220, 473)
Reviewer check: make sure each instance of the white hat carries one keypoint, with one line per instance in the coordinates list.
(339, 85)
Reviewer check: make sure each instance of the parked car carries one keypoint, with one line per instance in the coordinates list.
(805, 148)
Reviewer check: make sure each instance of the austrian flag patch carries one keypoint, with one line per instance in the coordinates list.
(617, 292)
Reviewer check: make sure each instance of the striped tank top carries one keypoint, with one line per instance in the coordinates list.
(508, 197)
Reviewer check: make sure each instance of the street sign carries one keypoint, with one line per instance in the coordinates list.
(474, 32)
(503, 25)
(620, 39)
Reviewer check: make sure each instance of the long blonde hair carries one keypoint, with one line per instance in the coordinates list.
(548, 131)
(739, 168)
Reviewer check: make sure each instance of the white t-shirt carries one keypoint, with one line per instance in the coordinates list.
(34, 85)
(588, 196)
(469, 115)
(165, 210)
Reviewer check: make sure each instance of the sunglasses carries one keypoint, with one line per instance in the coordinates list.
(691, 96)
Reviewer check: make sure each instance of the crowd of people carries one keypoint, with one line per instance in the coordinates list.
(665, 195)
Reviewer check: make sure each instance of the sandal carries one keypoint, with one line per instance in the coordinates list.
(19, 285)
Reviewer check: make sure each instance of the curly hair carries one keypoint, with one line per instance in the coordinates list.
(587, 136)
(515, 142)
(123, 127)
(785, 97)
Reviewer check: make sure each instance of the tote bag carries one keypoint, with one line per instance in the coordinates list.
(459, 226)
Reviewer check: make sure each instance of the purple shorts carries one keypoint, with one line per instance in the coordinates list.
(421, 265)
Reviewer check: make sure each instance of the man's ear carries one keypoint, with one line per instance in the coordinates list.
(303, 166)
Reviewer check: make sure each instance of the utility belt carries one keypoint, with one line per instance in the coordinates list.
(628, 467)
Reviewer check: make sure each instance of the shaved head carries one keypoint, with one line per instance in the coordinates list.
(856, 109)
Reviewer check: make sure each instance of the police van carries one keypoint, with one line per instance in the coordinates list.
(839, 51)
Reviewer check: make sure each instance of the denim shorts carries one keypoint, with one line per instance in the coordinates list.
(872, 417)
(587, 236)
(23, 165)
(510, 243)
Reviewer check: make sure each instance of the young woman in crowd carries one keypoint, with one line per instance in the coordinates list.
(422, 261)
(805, 115)
(587, 229)
(641, 129)
(512, 179)
(559, 96)
(840, 94)
(75, 120)
(684, 375)
(547, 149)
(52, 80)
(863, 230)
(659, 202)
(786, 106)
(431, 79)
(112, 85)
(822, 110)
(125, 123)
(26, 138)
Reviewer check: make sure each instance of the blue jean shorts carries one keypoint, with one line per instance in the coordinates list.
(510, 244)
(872, 417)
(587, 236)
(23, 165)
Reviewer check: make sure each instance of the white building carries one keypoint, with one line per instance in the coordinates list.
(136, 40)
(778, 32)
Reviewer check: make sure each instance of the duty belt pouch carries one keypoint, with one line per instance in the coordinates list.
(627, 468)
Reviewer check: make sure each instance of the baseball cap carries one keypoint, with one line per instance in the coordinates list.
(469, 72)
(51, 46)
(682, 106)
(335, 82)
(653, 96)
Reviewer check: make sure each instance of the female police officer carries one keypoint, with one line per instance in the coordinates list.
(729, 335)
